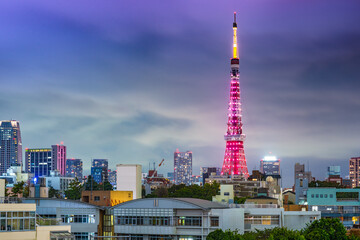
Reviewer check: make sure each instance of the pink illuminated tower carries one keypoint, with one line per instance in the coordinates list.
(234, 160)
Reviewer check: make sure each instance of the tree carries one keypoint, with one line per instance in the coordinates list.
(18, 189)
(74, 190)
(53, 193)
(107, 186)
(91, 184)
(326, 228)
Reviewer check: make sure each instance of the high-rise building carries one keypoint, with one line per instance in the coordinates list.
(182, 167)
(97, 174)
(354, 172)
(38, 161)
(10, 145)
(59, 158)
(300, 172)
(234, 159)
(74, 168)
(103, 164)
(270, 165)
(112, 177)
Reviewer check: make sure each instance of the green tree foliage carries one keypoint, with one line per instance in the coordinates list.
(53, 193)
(327, 229)
(18, 189)
(107, 186)
(91, 184)
(193, 191)
(74, 190)
(325, 184)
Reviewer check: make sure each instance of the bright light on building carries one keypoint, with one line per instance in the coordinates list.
(270, 158)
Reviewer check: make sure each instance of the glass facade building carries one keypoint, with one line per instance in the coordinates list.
(10, 145)
(103, 164)
(38, 161)
(59, 158)
(74, 168)
(182, 167)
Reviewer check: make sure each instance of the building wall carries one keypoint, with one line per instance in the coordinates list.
(106, 198)
(43, 232)
(354, 173)
(59, 158)
(298, 220)
(182, 167)
(128, 178)
(10, 144)
(2, 188)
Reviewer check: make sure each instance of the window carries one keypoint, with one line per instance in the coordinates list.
(317, 195)
(78, 218)
(325, 195)
(97, 198)
(312, 195)
(214, 221)
(17, 221)
(189, 221)
(321, 196)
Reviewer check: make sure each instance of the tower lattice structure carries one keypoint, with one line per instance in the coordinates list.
(234, 159)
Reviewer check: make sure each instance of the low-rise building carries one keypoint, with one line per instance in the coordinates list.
(342, 203)
(106, 198)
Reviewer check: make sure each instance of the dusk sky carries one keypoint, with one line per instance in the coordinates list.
(132, 81)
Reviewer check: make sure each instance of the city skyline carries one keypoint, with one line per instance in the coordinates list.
(113, 78)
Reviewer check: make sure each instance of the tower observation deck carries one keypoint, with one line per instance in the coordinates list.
(234, 159)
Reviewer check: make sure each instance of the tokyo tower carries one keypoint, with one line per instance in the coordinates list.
(234, 159)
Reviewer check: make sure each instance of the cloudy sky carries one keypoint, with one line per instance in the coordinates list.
(132, 81)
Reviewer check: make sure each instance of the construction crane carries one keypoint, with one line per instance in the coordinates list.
(162, 161)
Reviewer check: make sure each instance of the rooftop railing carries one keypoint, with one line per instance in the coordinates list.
(233, 205)
(10, 200)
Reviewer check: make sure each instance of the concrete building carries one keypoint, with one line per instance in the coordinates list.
(84, 219)
(301, 183)
(270, 165)
(128, 178)
(57, 181)
(354, 171)
(10, 145)
(187, 218)
(74, 168)
(106, 198)
(58, 156)
(342, 203)
(182, 167)
(19, 221)
(14, 175)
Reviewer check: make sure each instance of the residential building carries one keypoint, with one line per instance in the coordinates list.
(59, 158)
(97, 174)
(112, 177)
(103, 164)
(74, 168)
(106, 198)
(302, 180)
(128, 178)
(206, 172)
(38, 161)
(10, 145)
(342, 203)
(182, 167)
(354, 171)
(270, 165)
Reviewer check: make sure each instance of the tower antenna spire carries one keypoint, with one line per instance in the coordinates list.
(235, 53)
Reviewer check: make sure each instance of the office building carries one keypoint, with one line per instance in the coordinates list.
(59, 158)
(128, 178)
(182, 167)
(354, 171)
(103, 164)
(74, 168)
(189, 218)
(270, 165)
(97, 174)
(10, 145)
(38, 161)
